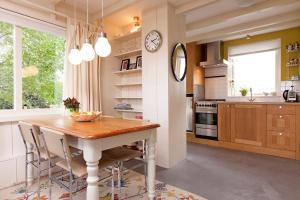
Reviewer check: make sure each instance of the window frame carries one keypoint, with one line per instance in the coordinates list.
(18, 22)
(274, 47)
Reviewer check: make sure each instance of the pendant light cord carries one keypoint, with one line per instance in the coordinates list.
(87, 18)
(102, 26)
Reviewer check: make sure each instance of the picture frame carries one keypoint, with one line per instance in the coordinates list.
(132, 66)
(125, 64)
(138, 62)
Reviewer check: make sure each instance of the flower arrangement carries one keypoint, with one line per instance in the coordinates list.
(71, 104)
(244, 91)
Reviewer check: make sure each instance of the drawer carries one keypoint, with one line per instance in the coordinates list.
(281, 109)
(285, 123)
(281, 140)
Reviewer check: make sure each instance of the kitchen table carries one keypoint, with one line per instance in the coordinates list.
(105, 133)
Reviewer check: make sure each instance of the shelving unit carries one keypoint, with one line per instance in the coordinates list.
(291, 55)
(129, 53)
(129, 85)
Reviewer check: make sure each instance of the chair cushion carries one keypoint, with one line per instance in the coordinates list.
(122, 154)
(78, 165)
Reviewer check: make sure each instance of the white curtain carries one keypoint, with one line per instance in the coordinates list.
(82, 81)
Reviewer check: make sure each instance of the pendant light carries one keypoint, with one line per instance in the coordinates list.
(87, 52)
(74, 55)
(102, 47)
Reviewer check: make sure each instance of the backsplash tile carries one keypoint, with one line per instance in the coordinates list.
(285, 85)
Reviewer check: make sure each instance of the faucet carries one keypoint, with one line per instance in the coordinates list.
(251, 96)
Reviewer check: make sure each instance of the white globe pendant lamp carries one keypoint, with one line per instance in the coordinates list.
(102, 47)
(87, 52)
(75, 57)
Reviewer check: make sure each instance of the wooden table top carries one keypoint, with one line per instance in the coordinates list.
(101, 128)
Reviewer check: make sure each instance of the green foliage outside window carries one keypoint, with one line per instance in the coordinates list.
(42, 68)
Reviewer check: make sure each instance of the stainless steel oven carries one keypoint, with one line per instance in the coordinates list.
(206, 119)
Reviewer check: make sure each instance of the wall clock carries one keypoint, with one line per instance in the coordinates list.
(153, 41)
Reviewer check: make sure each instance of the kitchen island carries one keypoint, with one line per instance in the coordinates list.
(271, 128)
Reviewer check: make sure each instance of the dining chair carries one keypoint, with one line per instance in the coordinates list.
(31, 138)
(57, 143)
(125, 154)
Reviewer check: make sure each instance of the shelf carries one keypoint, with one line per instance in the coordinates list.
(129, 71)
(130, 111)
(129, 53)
(128, 84)
(129, 35)
(128, 97)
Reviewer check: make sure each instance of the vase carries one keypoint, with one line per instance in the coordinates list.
(70, 111)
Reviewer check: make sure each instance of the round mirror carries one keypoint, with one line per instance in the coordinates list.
(179, 62)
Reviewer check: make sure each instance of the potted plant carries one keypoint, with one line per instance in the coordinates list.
(244, 91)
(72, 105)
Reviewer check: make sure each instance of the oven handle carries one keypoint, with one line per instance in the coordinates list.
(207, 111)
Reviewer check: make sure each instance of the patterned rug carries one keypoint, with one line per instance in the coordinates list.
(132, 187)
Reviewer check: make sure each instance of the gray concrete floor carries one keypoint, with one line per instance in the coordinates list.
(220, 174)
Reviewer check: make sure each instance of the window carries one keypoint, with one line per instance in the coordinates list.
(31, 65)
(255, 66)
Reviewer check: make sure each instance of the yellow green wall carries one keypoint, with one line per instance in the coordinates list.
(287, 36)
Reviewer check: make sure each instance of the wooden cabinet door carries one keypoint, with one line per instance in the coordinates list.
(281, 140)
(248, 124)
(224, 122)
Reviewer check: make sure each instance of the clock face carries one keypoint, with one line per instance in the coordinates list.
(153, 41)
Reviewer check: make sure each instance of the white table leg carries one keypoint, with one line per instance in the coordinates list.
(30, 172)
(92, 154)
(151, 165)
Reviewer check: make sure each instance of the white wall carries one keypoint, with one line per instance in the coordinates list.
(164, 98)
(12, 155)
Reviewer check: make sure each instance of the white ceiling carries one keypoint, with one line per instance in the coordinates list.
(205, 19)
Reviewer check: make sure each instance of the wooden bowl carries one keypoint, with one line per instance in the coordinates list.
(85, 116)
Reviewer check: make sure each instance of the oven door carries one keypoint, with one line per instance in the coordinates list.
(206, 123)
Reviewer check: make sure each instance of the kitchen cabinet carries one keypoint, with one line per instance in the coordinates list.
(281, 122)
(248, 124)
(281, 140)
(224, 122)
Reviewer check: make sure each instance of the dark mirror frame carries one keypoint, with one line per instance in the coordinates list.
(172, 64)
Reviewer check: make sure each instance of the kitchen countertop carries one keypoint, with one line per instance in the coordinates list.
(261, 102)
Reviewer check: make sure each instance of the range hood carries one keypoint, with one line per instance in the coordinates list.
(214, 55)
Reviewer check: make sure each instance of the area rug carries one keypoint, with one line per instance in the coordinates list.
(132, 187)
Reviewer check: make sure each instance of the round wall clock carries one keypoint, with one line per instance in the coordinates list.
(153, 41)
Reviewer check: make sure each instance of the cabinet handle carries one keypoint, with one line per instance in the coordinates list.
(280, 134)
(280, 116)
(280, 107)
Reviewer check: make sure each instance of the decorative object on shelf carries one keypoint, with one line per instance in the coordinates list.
(125, 64)
(153, 41)
(132, 66)
(244, 91)
(293, 47)
(123, 106)
(102, 47)
(85, 116)
(87, 52)
(293, 62)
(139, 62)
(71, 105)
(179, 62)
(136, 24)
(74, 56)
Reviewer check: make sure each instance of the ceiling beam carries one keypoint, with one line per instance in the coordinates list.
(238, 13)
(247, 27)
(192, 5)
